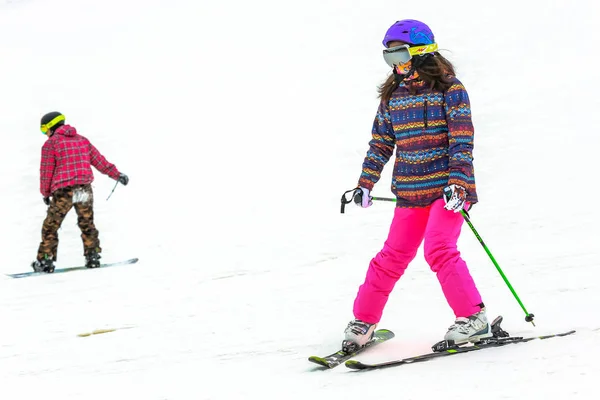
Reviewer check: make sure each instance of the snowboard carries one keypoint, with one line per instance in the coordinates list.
(70, 269)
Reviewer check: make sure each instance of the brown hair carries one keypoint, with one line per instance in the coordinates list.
(434, 70)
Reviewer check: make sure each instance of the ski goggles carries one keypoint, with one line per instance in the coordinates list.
(46, 127)
(402, 54)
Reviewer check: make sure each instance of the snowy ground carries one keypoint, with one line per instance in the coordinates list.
(240, 124)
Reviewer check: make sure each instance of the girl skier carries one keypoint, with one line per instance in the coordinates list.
(424, 114)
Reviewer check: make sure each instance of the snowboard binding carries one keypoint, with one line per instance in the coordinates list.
(45, 265)
(92, 260)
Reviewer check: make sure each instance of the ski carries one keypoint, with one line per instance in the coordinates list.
(337, 358)
(445, 349)
(69, 269)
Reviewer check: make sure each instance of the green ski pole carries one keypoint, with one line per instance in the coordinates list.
(528, 316)
(383, 199)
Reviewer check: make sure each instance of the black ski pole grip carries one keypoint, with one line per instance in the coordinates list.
(344, 201)
(358, 195)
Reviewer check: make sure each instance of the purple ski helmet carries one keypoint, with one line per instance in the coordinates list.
(409, 31)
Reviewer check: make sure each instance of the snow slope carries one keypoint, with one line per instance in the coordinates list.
(240, 124)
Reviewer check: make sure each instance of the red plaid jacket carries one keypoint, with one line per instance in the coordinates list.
(67, 158)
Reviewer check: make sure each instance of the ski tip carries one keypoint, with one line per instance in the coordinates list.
(353, 364)
(319, 360)
(385, 333)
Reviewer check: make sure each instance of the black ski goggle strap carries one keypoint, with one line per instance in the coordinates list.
(356, 197)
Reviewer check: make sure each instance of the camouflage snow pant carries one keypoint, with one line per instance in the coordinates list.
(82, 198)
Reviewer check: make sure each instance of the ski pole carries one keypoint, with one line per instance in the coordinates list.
(112, 191)
(383, 199)
(528, 317)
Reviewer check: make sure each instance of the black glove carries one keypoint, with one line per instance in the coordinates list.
(47, 201)
(123, 179)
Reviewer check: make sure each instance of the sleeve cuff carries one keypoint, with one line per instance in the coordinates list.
(366, 184)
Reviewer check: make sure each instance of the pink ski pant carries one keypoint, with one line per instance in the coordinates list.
(440, 229)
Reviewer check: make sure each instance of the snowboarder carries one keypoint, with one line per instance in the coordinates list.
(425, 117)
(65, 182)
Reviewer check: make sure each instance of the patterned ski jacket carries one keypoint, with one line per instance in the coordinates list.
(432, 134)
(67, 158)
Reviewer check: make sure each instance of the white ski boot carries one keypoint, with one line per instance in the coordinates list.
(358, 333)
(471, 329)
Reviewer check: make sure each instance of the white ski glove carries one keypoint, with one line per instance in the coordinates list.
(455, 197)
(362, 198)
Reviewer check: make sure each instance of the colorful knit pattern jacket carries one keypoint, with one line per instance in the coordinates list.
(432, 134)
(67, 158)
